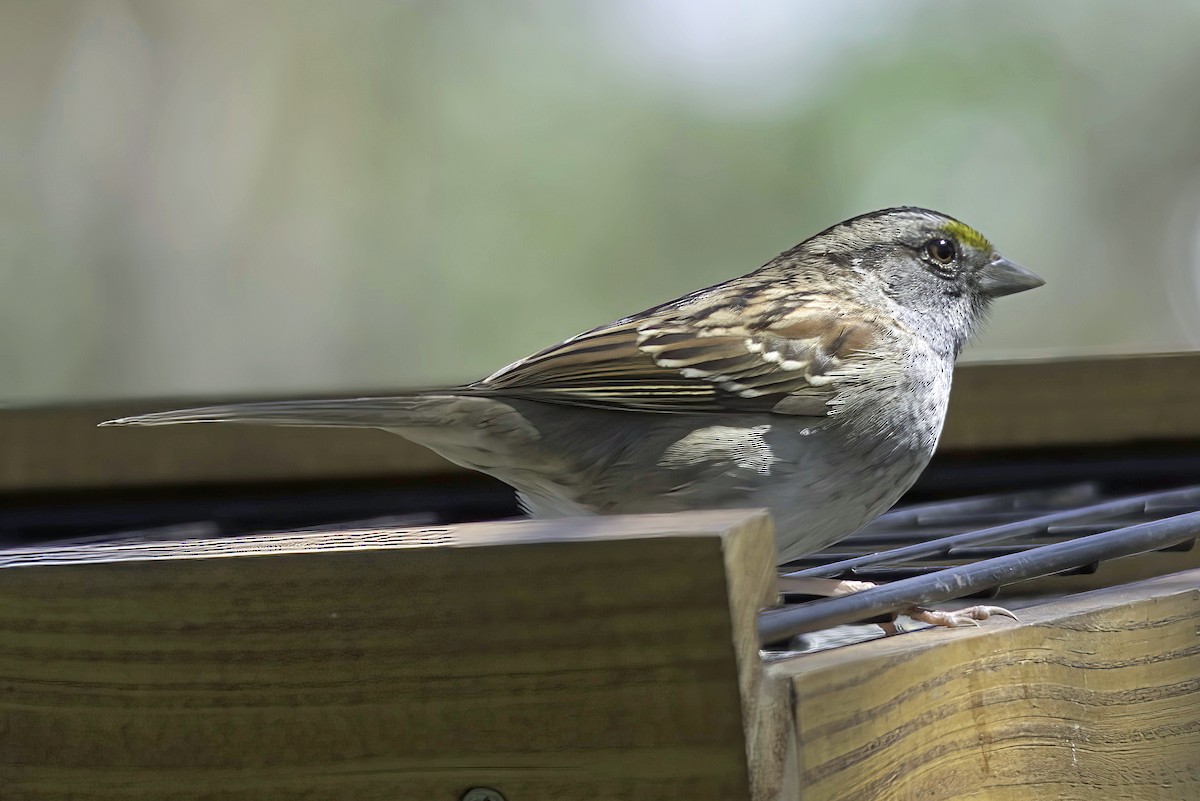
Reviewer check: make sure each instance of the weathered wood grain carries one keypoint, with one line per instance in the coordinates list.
(1059, 402)
(1091, 698)
(994, 405)
(604, 658)
(590, 659)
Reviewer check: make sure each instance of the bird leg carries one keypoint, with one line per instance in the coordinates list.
(958, 617)
(827, 587)
(822, 587)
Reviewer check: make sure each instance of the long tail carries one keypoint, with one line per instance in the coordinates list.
(399, 411)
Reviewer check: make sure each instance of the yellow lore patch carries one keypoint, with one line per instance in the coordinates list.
(967, 235)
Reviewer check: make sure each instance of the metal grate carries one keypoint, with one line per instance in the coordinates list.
(942, 551)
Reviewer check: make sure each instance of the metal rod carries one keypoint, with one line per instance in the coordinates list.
(1071, 495)
(940, 547)
(777, 625)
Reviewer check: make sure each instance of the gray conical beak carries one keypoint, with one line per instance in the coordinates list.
(1003, 277)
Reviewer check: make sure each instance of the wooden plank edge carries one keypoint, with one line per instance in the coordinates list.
(742, 563)
(1029, 719)
(753, 585)
(728, 524)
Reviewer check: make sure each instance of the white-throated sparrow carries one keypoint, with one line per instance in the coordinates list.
(815, 386)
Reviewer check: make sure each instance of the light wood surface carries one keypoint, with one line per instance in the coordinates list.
(590, 659)
(994, 405)
(1095, 697)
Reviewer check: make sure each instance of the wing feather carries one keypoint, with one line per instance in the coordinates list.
(684, 362)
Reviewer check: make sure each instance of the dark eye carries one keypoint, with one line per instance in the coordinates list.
(942, 251)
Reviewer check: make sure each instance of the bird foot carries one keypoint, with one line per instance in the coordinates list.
(827, 587)
(959, 617)
(822, 587)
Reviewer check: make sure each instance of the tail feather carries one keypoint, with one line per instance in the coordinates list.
(383, 412)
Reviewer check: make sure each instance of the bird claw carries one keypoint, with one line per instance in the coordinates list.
(826, 587)
(847, 586)
(822, 587)
(959, 617)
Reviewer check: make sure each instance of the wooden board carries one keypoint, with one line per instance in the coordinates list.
(1092, 698)
(602, 658)
(608, 658)
(59, 448)
(1058, 402)
(994, 405)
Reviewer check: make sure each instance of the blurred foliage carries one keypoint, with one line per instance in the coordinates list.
(217, 196)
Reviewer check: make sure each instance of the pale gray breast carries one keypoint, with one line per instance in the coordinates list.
(622, 462)
(821, 478)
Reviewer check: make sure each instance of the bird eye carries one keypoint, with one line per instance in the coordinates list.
(942, 251)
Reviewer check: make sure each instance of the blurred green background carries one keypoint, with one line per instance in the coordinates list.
(224, 196)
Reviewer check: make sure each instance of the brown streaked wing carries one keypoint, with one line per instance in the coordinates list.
(681, 365)
(603, 368)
